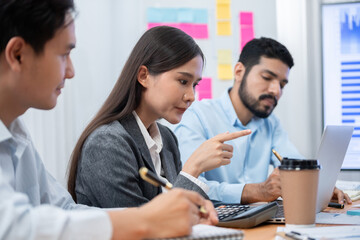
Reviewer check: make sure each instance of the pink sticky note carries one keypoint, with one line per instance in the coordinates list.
(187, 28)
(200, 31)
(246, 34)
(205, 95)
(204, 89)
(151, 25)
(246, 18)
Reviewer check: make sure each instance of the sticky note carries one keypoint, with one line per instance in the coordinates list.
(185, 15)
(151, 25)
(223, 1)
(204, 89)
(200, 16)
(223, 11)
(200, 31)
(246, 27)
(187, 28)
(246, 34)
(177, 15)
(225, 72)
(158, 15)
(224, 28)
(224, 57)
(246, 18)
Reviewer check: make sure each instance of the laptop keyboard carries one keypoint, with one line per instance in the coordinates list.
(280, 211)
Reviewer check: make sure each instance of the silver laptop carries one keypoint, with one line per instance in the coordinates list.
(334, 143)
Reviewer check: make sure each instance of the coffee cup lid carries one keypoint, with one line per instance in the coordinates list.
(298, 164)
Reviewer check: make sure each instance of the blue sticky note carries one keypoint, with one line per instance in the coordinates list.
(161, 15)
(200, 16)
(169, 15)
(353, 212)
(154, 15)
(185, 15)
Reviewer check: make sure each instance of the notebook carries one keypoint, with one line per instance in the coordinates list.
(207, 232)
(334, 143)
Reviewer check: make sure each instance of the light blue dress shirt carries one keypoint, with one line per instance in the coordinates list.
(33, 205)
(252, 154)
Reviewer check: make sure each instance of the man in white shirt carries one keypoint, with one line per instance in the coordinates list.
(35, 44)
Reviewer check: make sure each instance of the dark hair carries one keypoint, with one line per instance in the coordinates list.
(36, 21)
(160, 49)
(264, 47)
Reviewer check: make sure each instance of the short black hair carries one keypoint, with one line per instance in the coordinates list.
(36, 21)
(264, 47)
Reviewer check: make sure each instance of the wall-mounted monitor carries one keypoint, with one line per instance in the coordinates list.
(341, 71)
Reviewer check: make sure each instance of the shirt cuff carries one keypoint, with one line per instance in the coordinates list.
(195, 180)
(90, 224)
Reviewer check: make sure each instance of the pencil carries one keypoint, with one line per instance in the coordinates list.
(277, 155)
(151, 178)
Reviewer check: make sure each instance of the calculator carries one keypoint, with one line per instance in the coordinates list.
(244, 216)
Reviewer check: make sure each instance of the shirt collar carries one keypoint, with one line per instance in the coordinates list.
(15, 130)
(152, 135)
(4, 132)
(227, 105)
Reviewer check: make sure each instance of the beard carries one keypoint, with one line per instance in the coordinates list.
(252, 103)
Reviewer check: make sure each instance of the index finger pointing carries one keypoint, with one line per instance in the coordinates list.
(230, 136)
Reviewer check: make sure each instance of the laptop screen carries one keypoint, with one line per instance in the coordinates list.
(331, 154)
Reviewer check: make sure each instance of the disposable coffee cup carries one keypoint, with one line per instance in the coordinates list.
(299, 186)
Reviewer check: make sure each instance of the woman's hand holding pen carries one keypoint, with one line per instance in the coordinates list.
(210, 217)
(213, 153)
(175, 212)
(168, 215)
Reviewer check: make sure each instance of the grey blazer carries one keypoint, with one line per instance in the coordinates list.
(111, 157)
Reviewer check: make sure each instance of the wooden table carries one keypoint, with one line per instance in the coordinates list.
(268, 230)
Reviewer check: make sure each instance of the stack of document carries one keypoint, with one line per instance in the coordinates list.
(353, 194)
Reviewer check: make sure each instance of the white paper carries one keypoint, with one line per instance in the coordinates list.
(203, 231)
(336, 218)
(336, 232)
(348, 185)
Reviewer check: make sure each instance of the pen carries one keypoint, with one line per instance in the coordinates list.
(335, 205)
(151, 178)
(298, 236)
(277, 155)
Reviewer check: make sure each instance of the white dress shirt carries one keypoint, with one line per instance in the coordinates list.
(154, 143)
(33, 205)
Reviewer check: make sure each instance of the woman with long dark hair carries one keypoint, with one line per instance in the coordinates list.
(156, 82)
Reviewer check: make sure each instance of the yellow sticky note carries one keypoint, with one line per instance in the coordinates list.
(223, 11)
(224, 57)
(224, 28)
(225, 72)
(223, 1)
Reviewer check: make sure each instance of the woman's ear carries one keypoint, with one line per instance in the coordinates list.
(143, 76)
(14, 51)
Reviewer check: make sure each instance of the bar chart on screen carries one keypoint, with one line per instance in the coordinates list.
(341, 72)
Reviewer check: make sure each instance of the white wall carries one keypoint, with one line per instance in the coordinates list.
(300, 107)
